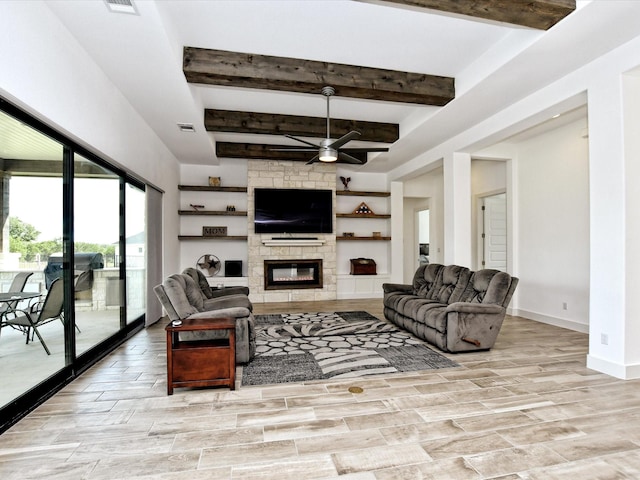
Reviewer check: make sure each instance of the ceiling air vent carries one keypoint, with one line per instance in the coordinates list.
(121, 6)
(186, 127)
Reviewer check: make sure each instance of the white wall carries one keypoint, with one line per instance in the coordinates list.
(631, 118)
(47, 73)
(553, 210)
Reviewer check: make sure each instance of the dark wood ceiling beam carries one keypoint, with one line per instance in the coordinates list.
(234, 69)
(275, 124)
(255, 151)
(538, 14)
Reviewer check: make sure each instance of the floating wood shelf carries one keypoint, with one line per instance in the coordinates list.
(200, 237)
(365, 238)
(356, 193)
(362, 215)
(207, 188)
(235, 213)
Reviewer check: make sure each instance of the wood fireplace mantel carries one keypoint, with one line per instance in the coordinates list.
(305, 242)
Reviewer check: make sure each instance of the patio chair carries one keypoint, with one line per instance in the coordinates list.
(17, 285)
(39, 314)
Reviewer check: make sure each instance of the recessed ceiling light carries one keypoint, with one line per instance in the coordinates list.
(121, 6)
(186, 127)
(556, 115)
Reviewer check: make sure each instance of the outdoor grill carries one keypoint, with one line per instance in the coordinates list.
(85, 264)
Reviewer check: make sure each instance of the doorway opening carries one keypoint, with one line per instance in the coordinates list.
(423, 236)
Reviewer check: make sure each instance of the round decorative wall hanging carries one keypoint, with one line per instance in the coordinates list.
(209, 265)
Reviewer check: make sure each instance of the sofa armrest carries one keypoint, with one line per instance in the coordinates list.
(473, 326)
(478, 308)
(233, 312)
(221, 292)
(227, 301)
(397, 287)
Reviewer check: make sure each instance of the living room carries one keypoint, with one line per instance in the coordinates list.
(568, 182)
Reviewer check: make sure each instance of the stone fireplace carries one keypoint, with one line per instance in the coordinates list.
(292, 249)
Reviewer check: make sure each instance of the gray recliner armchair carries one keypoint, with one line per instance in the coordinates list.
(182, 298)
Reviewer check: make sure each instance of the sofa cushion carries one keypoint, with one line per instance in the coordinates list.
(477, 286)
(488, 286)
(500, 289)
(174, 287)
(200, 280)
(426, 311)
(425, 278)
(397, 300)
(450, 284)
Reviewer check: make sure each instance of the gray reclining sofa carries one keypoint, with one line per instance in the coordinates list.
(181, 298)
(451, 307)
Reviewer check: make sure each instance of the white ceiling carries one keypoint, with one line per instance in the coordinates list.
(494, 64)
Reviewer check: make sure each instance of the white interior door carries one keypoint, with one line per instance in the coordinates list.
(494, 232)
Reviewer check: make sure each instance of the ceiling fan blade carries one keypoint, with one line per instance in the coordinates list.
(313, 160)
(364, 150)
(352, 135)
(346, 158)
(294, 149)
(302, 141)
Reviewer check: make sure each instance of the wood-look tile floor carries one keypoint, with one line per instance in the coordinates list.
(528, 409)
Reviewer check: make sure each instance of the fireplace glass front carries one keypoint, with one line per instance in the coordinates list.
(290, 274)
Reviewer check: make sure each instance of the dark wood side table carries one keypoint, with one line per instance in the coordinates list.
(201, 363)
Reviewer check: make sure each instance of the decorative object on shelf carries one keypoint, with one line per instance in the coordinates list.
(363, 266)
(363, 209)
(209, 265)
(214, 181)
(345, 182)
(196, 207)
(219, 231)
(347, 234)
(231, 208)
(377, 234)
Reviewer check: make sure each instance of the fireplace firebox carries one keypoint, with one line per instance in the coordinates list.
(290, 274)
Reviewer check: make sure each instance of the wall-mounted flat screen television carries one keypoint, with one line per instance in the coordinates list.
(293, 210)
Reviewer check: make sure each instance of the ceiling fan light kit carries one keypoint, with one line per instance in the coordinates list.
(327, 154)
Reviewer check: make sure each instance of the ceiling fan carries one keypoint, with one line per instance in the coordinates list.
(330, 150)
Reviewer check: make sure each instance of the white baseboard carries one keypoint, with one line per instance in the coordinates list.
(358, 296)
(624, 372)
(557, 322)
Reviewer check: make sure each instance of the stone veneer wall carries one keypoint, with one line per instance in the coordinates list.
(287, 174)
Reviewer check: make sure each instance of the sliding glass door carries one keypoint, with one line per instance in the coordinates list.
(75, 229)
(32, 216)
(135, 251)
(96, 226)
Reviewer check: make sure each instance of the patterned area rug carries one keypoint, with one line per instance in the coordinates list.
(299, 347)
